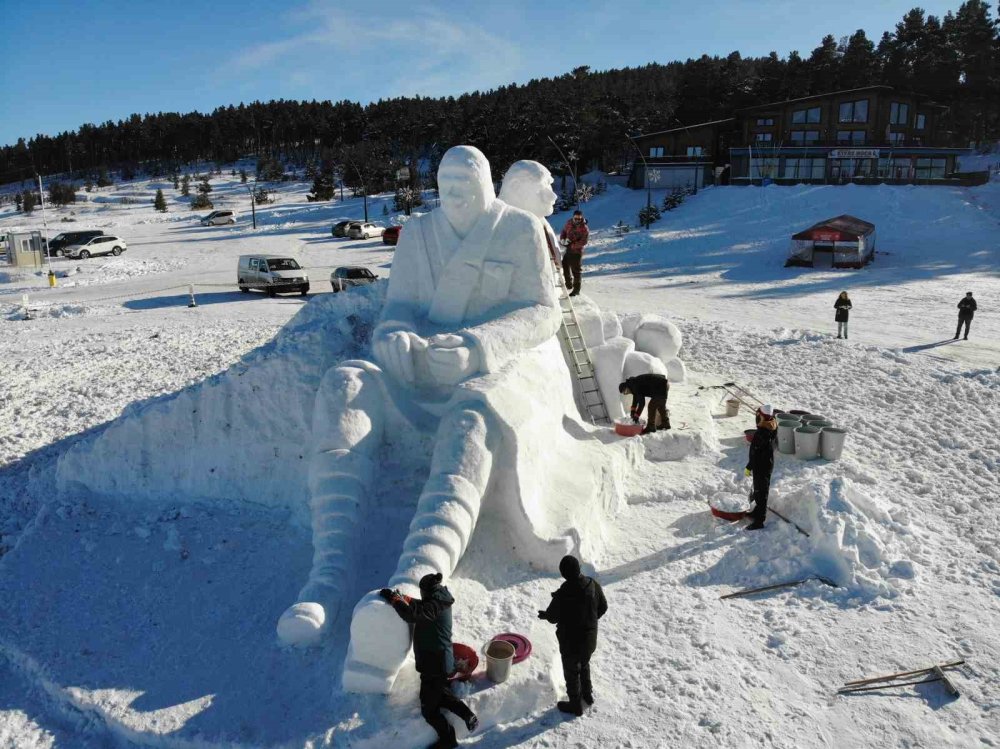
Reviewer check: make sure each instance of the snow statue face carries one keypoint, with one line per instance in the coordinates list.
(465, 185)
(528, 186)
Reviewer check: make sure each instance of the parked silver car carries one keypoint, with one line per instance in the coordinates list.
(363, 230)
(347, 276)
(103, 245)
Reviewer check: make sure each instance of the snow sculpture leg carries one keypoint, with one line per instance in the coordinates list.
(348, 421)
(438, 537)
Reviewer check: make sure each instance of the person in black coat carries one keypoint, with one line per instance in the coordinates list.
(966, 311)
(760, 464)
(430, 616)
(842, 305)
(575, 609)
(656, 388)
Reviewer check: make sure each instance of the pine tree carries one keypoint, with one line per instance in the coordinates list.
(19, 202)
(186, 185)
(322, 188)
(243, 176)
(204, 188)
(103, 180)
(159, 202)
(29, 202)
(177, 181)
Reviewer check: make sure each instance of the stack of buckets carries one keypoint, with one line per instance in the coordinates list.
(808, 436)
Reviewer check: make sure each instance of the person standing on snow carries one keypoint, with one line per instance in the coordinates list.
(574, 236)
(432, 652)
(761, 463)
(966, 311)
(656, 388)
(575, 609)
(842, 305)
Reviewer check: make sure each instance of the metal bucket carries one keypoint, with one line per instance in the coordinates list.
(732, 407)
(786, 436)
(499, 659)
(831, 442)
(807, 442)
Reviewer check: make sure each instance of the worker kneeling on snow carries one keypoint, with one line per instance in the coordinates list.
(656, 388)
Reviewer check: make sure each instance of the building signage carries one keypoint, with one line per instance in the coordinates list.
(403, 174)
(854, 153)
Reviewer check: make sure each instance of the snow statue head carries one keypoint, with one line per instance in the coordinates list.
(465, 185)
(528, 185)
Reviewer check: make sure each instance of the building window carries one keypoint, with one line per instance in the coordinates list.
(763, 168)
(804, 137)
(851, 137)
(845, 169)
(765, 121)
(898, 168)
(898, 113)
(854, 111)
(931, 168)
(804, 169)
(763, 137)
(800, 116)
(921, 122)
(897, 139)
(695, 151)
(655, 151)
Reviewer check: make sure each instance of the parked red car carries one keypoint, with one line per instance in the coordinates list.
(391, 235)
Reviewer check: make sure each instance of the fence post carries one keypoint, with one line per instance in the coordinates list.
(191, 301)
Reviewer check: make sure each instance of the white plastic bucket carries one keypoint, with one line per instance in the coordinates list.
(831, 442)
(499, 659)
(732, 407)
(786, 436)
(821, 423)
(807, 442)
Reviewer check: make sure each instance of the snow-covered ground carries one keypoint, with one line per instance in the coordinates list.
(148, 619)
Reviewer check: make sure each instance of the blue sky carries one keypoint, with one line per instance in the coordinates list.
(74, 61)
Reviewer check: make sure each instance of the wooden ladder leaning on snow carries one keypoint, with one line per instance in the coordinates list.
(575, 347)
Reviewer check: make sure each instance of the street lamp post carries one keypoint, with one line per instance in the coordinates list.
(645, 169)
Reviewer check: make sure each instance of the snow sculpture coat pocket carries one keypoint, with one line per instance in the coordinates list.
(496, 278)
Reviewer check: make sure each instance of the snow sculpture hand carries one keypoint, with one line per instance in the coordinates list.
(397, 351)
(449, 360)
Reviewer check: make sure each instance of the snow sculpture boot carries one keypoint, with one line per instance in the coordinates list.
(571, 706)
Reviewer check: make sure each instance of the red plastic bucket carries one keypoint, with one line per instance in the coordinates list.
(627, 429)
(466, 661)
(748, 434)
(730, 516)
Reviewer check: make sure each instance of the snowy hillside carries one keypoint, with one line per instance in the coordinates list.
(142, 577)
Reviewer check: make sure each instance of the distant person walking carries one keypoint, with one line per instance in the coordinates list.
(760, 464)
(573, 237)
(575, 609)
(842, 305)
(966, 311)
(656, 388)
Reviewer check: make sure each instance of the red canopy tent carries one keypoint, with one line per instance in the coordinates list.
(850, 240)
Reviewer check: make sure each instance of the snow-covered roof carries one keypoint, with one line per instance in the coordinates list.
(849, 227)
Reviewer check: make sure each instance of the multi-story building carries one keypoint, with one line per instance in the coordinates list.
(864, 135)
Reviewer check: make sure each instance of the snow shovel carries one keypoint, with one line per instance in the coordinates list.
(776, 586)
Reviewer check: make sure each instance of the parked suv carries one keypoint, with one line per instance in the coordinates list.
(349, 276)
(362, 230)
(391, 235)
(273, 274)
(340, 228)
(217, 218)
(57, 245)
(102, 245)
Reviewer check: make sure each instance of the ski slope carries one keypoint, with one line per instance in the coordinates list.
(144, 616)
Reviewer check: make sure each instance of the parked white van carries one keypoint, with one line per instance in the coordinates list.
(217, 218)
(273, 274)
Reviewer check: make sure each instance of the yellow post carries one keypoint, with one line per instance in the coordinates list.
(52, 279)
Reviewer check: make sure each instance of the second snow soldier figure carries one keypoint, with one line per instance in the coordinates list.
(432, 652)
(761, 463)
(575, 609)
(656, 388)
(574, 235)
(842, 305)
(966, 311)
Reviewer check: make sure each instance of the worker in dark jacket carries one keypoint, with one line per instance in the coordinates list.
(430, 616)
(656, 388)
(761, 463)
(575, 609)
(573, 237)
(966, 311)
(842, 305)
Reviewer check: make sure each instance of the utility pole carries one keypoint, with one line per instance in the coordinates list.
(45, 227)
(253, 201)
(645, 169)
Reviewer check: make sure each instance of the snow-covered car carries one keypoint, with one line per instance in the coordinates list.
(218, 218)
(340, 228)
(102, 245)
(391, 235)
(273, 274)
(362, 230)
(57, 245)
(348, 276)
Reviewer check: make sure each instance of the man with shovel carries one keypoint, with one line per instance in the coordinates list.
(656, 388)
(761, 463)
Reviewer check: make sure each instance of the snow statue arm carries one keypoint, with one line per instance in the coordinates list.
(532, 315)
(395, 344)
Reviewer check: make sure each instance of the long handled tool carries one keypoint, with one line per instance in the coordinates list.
(776, 586)
(790, 522)
(901, 674)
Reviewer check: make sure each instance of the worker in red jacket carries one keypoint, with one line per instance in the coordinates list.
(574, 238)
